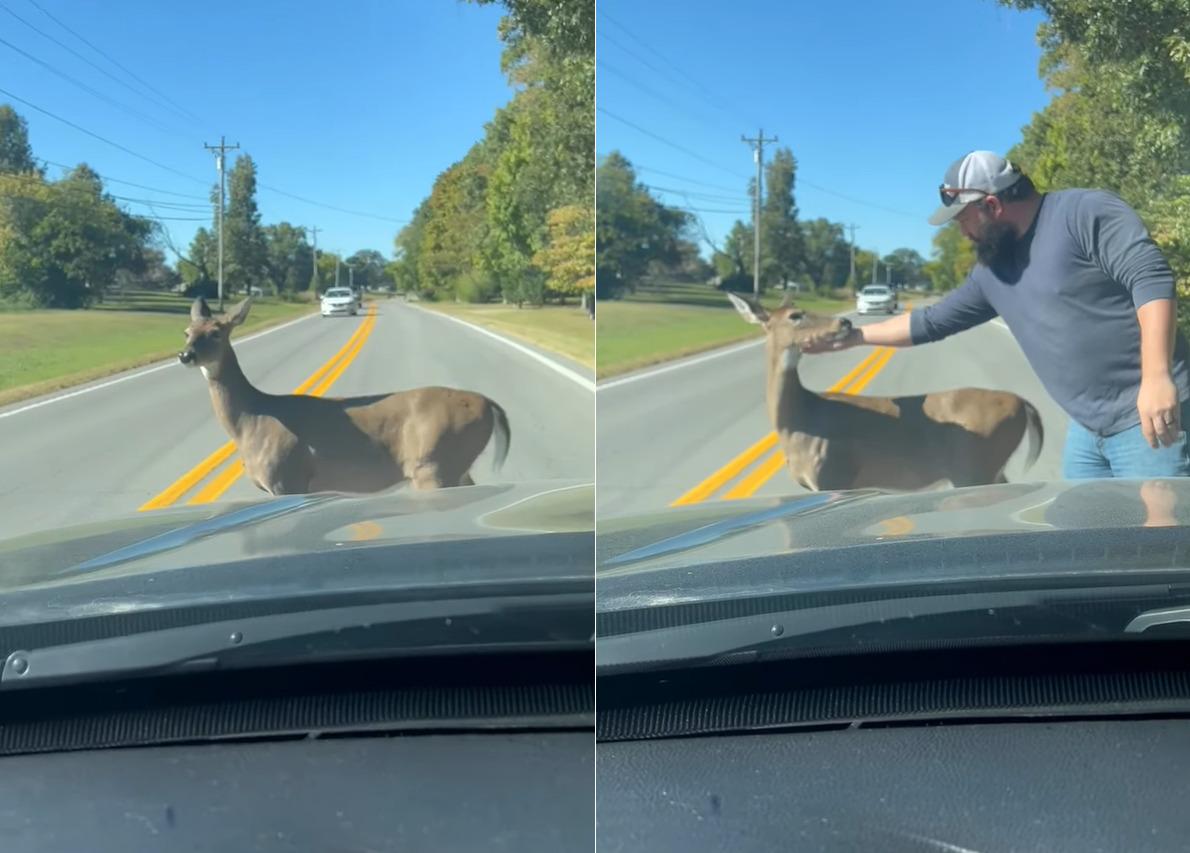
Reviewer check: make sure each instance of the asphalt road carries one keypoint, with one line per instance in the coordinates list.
(666, 432)
(109, 448)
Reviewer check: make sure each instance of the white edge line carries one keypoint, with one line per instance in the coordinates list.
(138, 373)
(538, 357)
(688, 362)
(691, 361)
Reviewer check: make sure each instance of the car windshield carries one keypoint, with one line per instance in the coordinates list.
(875, 291)
(226, 352)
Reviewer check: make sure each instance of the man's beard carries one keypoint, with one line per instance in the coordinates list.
(995, 245)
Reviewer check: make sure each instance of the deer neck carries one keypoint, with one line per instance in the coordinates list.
(784, 392)
(232, 394)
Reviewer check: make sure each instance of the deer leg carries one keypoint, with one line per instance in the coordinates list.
(290, 475)
(425, 476)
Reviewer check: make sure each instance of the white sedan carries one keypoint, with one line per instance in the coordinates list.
(339, 300)
(876, 299)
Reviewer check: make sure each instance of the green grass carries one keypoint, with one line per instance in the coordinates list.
(46, 351)
(563, 329)
(670, 321)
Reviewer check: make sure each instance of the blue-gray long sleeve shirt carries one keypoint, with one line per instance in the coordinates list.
(1070, 299)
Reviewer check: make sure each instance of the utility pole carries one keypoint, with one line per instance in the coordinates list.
(314, 229)
(758, 153)
(854, 283)
(222, 148)
(338, 263)
(875, 265)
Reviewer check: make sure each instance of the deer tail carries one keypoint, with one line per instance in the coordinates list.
(1036, 434)
(503, 434)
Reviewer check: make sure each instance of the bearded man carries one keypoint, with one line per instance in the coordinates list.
(1078, 280)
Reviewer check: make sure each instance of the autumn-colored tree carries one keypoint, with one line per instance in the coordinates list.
(568, 260)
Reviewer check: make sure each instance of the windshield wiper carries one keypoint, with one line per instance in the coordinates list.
(893, 620)
(498, 623)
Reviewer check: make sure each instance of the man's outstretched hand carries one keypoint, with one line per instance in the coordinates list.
(832, 344)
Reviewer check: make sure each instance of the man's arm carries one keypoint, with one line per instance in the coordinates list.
(957, 311)
(1118, 242)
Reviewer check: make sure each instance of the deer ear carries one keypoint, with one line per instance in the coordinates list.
(199, 310)
(749, 311)
(238, 314)
(787, 301)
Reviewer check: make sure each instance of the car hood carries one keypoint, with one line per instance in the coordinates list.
(710, 547)
(510, 522)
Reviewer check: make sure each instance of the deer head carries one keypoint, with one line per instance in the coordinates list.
(208, 338)
(788, 327)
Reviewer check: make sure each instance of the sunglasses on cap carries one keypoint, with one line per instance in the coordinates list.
(950, 195)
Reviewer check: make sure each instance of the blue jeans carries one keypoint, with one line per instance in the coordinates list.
(1125, 455)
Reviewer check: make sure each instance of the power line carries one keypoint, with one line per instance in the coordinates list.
(130, 110)
(690, 194)
(651, 92)
(333, 207)
(43, 11)
(640, 168)
(94, 65)
(116, 145)
(59, 185)
(704, 91)
(673, 145)
(130, 183)
(120, 147)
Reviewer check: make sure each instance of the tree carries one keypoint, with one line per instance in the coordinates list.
(289, 258)
(245, 254)
(826, 253)
(568, 261)
(16, 154)
(632, 229)
(904, 266)
(62, 242)
(782, 242)
(1145, 45)
(369, 266)
(566, 26)
(954, 258)
(453, 231)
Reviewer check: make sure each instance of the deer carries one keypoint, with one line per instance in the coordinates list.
(836, 441)
(298, 444)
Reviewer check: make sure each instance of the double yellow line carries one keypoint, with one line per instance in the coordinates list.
(854, 382)
(317, 385)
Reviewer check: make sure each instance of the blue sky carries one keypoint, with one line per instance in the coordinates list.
(352, 104)
(874, 99)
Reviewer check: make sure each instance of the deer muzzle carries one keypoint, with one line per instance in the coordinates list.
(186, 356)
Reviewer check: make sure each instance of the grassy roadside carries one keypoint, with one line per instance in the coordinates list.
(46, 351)
(669, 322)
(565, 330)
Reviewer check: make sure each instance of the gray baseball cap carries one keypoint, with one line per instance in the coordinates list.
(972, 178)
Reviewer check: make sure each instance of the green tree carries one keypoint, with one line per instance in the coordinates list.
(782, 241)
(632, 229)
(245, 253)
(16, 154)
(826, 253)
(289, 257)
(905, 266)
(63, 242)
